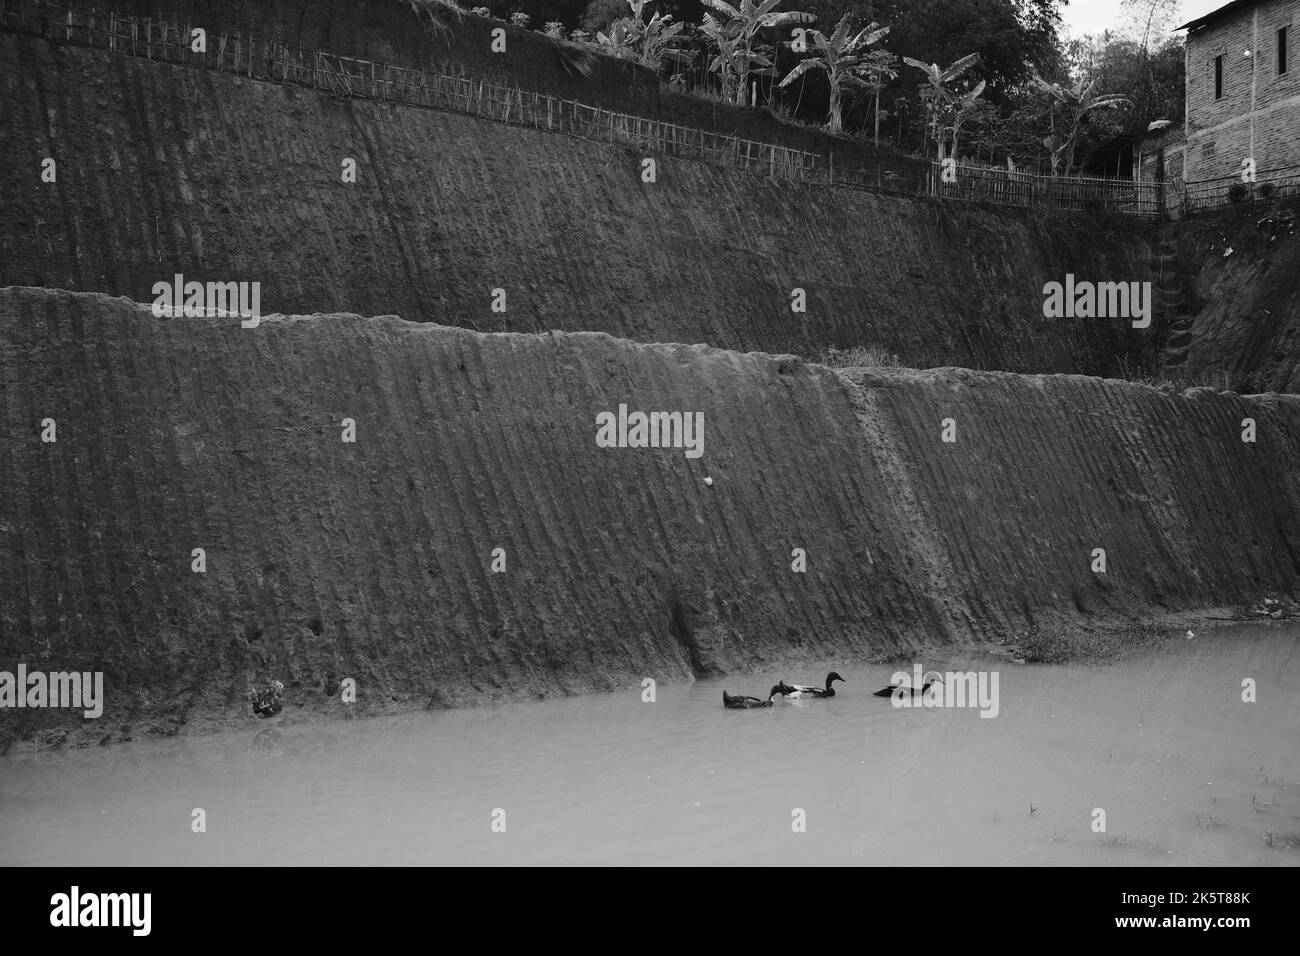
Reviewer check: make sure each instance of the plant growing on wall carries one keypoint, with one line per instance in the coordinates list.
(1074, 103)
(842, 57)
(649, 42)
(434, 15)
(946, 105)
(740, 50)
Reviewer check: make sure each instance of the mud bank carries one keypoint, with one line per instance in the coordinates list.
(372, 560)
(1244, 279)
(166, 169)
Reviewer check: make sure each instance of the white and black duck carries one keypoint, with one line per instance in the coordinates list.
(796, 691)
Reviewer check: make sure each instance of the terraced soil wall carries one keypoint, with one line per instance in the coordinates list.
(1242, 273)
(172, 169)
(373, 559)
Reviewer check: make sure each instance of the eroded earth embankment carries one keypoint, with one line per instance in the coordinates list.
(179, 169)
(1242, 275)
(372, 560)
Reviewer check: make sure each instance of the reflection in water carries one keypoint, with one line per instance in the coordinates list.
(269, 741)
(1186, 772)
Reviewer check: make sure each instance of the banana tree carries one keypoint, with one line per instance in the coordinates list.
(967, 105)
(621, 39)
(736, 35)
(1077, 102)
(646, 41)
(727, 64)
(841, 56)
(942, 101)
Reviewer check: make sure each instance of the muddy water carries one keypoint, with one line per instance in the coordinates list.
(1186, 773)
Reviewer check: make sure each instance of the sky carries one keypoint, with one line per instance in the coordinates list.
(1094, 16)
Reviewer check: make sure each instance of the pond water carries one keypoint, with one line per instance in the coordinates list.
(1186, 772)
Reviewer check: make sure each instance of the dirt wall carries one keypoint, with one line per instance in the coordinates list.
(372, 559)
(1244, 274)
(172, 169)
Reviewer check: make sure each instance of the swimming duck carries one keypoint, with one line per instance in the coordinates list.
(745, 703)
(912, 691)
(268, 702)
(809, 690)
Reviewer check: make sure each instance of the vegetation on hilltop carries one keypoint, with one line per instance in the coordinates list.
(1033, 97)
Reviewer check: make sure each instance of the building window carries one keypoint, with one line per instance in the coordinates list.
(1218, 77)
(1281, 51)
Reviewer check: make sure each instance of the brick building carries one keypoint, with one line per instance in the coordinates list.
(1243, 89)
(1159, 154)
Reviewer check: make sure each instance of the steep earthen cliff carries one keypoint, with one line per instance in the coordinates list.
(373, 560)
(172, 169)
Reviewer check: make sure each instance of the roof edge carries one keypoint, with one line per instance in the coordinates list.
(1214, 14)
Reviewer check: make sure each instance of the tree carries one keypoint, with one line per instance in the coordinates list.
(1152, 17)
(880, 67)
(740, 51)
(944, 102)
(1077, 102)
(1014, 37)
(1154, 77)
(646, 41)
(840, 56)
(1016, 133)
(601, 15)
(727, 63)
(969, 105)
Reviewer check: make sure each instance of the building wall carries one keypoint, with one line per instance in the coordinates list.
(1147, 162)
(1146, 156)
(1222, 132)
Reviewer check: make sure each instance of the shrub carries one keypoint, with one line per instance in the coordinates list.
(1236, 192)
(555, 30)
(520, 19)
(860, 356)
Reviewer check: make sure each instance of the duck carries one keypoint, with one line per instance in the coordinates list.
(912, 691)
(810, 690)
(739, 702)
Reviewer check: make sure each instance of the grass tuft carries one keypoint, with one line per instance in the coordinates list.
(860, 356)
